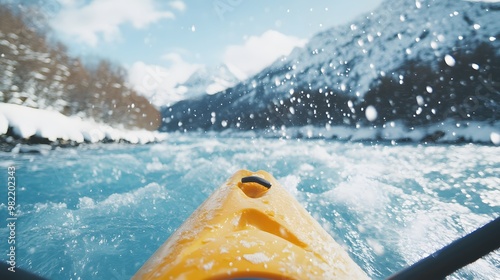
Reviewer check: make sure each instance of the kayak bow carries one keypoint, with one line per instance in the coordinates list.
(250, 227)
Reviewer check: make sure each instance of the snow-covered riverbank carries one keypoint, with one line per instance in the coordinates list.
(445, 132)
(24, 123)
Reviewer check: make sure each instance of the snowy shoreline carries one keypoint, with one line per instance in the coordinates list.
(445, 133)
(21, 124)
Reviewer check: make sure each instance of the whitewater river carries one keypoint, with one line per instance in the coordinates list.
(100, 211)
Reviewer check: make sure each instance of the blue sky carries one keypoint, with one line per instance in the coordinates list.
(171, 39)
(163, 27)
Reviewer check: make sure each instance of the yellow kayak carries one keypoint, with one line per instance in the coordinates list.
(250, 227)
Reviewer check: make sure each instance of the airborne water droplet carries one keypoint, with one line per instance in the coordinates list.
(371, 113)
(420, 100)
(450, 61)
(495, 138)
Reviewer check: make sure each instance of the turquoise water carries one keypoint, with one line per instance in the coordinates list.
(100, 211)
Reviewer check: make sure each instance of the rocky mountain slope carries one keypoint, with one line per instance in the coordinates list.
(414, 62)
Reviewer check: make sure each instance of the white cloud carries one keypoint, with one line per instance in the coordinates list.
(160, 84)
(178, 5)
(257, 52)
(88, 22)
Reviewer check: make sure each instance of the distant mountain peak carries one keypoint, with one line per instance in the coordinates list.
(208, 80)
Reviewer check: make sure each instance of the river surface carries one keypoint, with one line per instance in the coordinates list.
(100, 211)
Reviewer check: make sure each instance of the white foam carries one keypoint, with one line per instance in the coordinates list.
(116, 200)
(156, 165)
(361, 193)
(6, 163)
(290, 184)
(376, 246)
(50, 205)
(419, 237)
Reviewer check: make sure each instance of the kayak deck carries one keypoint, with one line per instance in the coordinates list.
(249, 229)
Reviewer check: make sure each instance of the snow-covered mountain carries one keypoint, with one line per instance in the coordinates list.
(350, 57)
(411, 61)
(207, 80)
